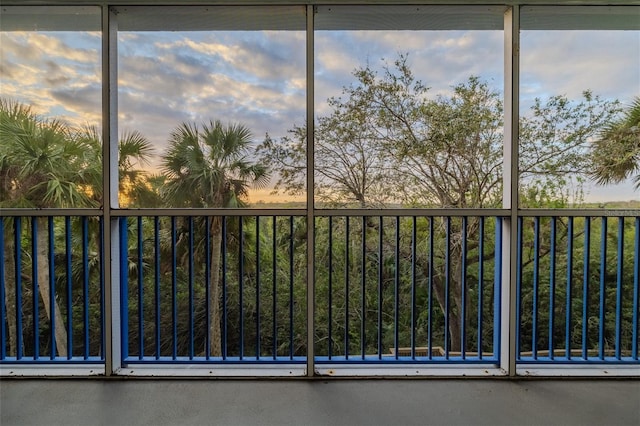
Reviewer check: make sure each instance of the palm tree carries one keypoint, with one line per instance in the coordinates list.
(616, 153)
(134, 150)
(42, 165)
(210, 167)
(9, 112)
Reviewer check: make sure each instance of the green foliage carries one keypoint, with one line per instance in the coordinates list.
(616, 151)
(44, 164)
(210, 166)
(555, 146)
(386, 141)
(580, 275)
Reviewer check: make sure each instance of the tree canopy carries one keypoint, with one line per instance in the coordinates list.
(387, 141)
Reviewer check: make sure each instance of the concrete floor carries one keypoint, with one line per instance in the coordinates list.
(319, 402)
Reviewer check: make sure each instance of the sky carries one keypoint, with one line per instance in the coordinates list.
(258, 77)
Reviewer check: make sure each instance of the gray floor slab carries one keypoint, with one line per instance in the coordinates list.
(318, 402)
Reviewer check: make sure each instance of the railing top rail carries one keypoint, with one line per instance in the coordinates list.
(405, 212)
(207, 212)
(437, 212)
(578, 212)
(28, 212)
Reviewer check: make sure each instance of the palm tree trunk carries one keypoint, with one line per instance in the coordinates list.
(44, 286)
(10, 291)
(215, 335)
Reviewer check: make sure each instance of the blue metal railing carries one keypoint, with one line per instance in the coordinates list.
(388, 289)
(407, 289)
(578, 289)
(51, 289)
(167, 280)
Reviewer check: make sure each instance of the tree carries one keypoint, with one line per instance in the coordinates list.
(45, 163)
(555, 146)
(349, 167)
(444, 152)
(136, 188)
(209, 166)
(616, 152)
(42, 165)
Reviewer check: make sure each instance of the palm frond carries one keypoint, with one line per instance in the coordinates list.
(616, 152)
(207, 165)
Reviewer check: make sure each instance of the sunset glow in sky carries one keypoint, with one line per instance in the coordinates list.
(258, 77)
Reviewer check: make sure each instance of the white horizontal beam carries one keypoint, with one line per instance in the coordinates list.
(408, 370)
(51, 370)
(575, 370)
(200, 370)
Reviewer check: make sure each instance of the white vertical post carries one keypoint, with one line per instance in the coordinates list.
(106, 190)
(508, 320)
(310, 191)
(110, 190)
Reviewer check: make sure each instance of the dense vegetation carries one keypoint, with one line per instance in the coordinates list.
(238, 287)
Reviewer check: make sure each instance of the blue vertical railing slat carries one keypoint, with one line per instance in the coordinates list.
(636, 291)
(603, 278)
(330, 288)
(585, 288)
(619, 271)
(414, 256)
(536, 272)
(430, 293)
(346, 288)
(35, 290)
(241, 283)
(190, 283)
(124, 288)
(156, 258)
(463, 289)
(102, 289)
(552, 284)
(480, 283)
(447, 274)
(225, 322)
(18, 276)
(519, 289)
(363, 308)
(396, 291)
(257, 288)
(68, 249)
(291, 260)
(3, 314)
(207, 286)
(139, 245)
(85, 283)
(380, 283)
(497, 283)
(274, 289)
(174, 291)
(569, 293)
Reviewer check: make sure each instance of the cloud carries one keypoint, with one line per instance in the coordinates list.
(58, 74)
(440, 59)
(85, 101)
(195, 62)
(267, 56)
(32, 46)
(165, 79)
(569, 62)
(259, 78)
